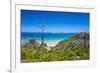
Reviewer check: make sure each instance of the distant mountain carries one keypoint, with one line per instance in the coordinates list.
(79, 40)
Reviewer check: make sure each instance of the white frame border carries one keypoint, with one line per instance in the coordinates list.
(15, 65)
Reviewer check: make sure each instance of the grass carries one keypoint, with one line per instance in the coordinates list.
(29, 55)
(70, 53)
(72, 38)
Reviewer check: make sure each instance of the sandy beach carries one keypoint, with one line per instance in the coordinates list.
(52, 43)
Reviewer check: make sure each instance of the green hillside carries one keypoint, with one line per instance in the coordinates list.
(75, 47)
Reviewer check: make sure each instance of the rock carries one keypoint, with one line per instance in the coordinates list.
(31, 43)
(78, 40)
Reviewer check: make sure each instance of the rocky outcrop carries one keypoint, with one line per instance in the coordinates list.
(80, 40)
(32, 43)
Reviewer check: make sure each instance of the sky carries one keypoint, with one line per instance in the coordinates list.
(54, 21)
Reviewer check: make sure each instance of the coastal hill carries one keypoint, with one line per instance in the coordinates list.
(75, 47)
(80, 40)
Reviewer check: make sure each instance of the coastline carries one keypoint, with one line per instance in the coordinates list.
(51, 44)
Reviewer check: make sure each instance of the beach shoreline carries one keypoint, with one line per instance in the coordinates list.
(51, 44)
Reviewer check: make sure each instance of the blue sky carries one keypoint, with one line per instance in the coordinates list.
(67, 22)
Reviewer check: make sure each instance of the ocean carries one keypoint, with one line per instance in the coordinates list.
(50, 39)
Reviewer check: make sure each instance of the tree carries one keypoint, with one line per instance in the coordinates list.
(42, 27)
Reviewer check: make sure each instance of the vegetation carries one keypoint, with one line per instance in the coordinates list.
(65, 50)
(29, 55)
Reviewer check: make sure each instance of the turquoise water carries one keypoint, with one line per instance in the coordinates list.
(48, 37)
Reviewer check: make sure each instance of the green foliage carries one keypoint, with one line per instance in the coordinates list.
(29, 55)
(73, 38)
(29, 52)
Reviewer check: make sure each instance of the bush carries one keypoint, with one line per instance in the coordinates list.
(29, 55)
